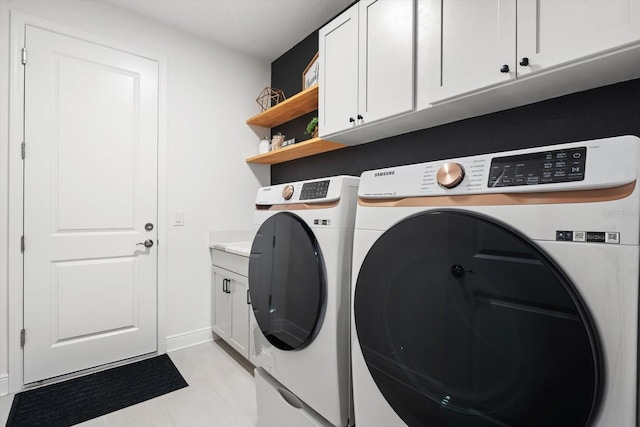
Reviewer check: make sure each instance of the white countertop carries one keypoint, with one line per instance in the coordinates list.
(238, 248)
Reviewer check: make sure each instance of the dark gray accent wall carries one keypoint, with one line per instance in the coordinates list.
(597, 113)
(286, 74)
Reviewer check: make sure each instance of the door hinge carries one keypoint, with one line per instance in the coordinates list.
(23, 148)
(23, 335)
(22, 243)
(24, 56)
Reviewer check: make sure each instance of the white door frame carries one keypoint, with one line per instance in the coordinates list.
(16, 207)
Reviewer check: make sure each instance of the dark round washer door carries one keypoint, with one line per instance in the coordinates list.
(463, 322)
(287, 281)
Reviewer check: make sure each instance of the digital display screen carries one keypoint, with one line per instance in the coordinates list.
(545, 167)
(314, 190)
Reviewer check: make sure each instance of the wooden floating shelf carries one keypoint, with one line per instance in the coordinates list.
(296, 151)
(298, 105)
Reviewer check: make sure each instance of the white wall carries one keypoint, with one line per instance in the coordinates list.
(211, 91)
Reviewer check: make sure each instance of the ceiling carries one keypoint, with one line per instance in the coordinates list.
(265, 29)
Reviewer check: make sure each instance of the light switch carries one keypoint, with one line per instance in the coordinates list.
(178, 218)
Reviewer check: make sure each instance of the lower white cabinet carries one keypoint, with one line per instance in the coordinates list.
(231, 300)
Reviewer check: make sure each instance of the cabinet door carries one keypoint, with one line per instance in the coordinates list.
(338, 80)
(221, 304)
(469, 43)
(386, 58)
(554, 32)
(239, 338)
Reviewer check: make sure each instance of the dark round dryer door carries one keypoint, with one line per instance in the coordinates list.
(465, 323)
(287, 281)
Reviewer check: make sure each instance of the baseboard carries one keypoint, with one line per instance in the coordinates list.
(4, 384)
(188, 339)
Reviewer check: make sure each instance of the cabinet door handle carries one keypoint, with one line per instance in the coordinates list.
(524, 62)
(504, 69)
(228, 286)
(248, 297)
(360, 117)
(351, 120)
(224, 285)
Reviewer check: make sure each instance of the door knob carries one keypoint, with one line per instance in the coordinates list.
(147, 243)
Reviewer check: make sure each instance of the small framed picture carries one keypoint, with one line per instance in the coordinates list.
(310, 74)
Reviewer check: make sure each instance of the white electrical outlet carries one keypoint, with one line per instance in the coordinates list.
(178, 218)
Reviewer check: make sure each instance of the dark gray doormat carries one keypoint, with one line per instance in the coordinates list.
(80, 399)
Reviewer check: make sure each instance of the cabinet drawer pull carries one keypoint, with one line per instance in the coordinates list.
(248, 297)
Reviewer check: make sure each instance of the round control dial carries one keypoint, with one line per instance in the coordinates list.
(450, 175)
(287, 192)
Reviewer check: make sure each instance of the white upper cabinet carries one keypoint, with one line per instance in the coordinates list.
(338, 80)
(554, 32)
(367, 65)
(469, 43)
(475, 44)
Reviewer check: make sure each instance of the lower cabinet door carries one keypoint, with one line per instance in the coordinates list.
(221, 304)
(239, 338)
(231, 308)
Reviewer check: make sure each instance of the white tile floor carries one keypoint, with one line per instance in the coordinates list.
(221, 393)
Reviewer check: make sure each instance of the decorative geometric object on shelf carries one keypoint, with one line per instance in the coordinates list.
(299, 104)
(270, 97)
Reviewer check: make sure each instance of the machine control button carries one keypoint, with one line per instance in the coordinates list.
(450, 175)
(287, 192)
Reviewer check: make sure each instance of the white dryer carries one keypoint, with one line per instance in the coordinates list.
(500, 289)
(299, 282)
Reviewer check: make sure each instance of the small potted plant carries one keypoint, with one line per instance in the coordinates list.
(312, 128)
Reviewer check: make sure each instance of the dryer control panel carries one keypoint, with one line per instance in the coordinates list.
(603, 163)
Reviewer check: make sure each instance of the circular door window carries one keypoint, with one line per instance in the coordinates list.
(463, 322)
(287, 281)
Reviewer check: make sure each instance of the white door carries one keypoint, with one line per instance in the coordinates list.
(386, 58)
(554, 32)
(470, 43)
(338, 80)
(90, 188)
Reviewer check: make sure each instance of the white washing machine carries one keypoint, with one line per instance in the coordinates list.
(499, 290)
(299, 282)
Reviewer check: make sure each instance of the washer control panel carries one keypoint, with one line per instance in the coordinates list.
(603, 163)
(313, 191)
(545, 167)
